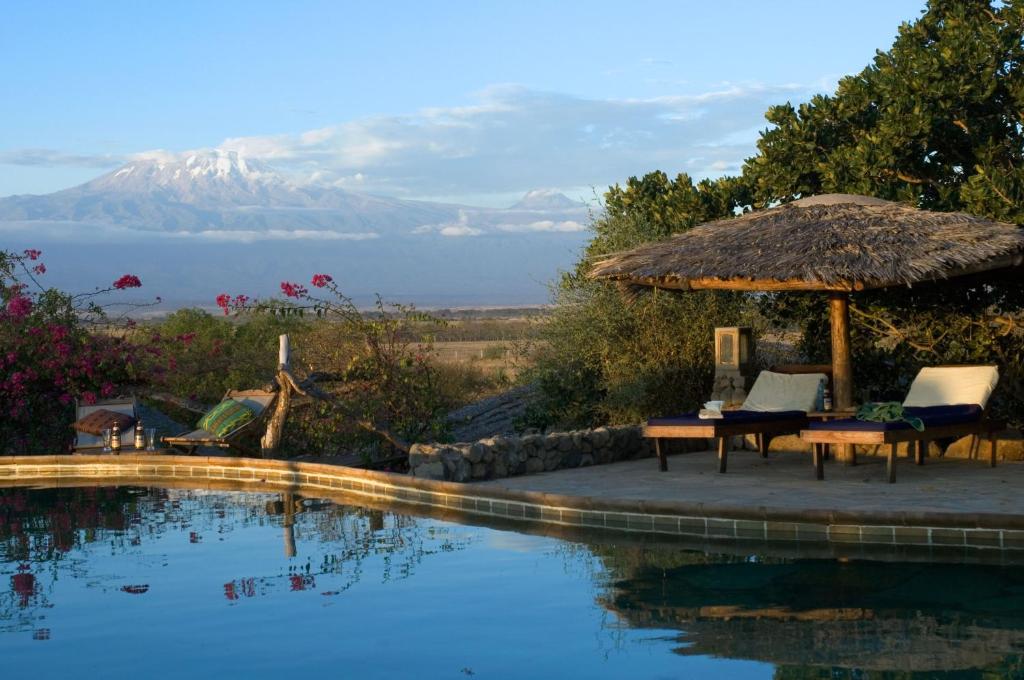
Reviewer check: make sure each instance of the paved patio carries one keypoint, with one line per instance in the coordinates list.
(786, 480)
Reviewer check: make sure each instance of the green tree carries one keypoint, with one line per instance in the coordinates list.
(937, 122)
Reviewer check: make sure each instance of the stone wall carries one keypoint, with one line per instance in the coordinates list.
(507, 456)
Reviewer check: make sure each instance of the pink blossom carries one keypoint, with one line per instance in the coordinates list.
(293, 289)
(33, 254)
(64, 398)
(19, 307)
(240, 300)
(321, 280)
(89, 397)
(127, 281)
(39, 268)
(224, 302)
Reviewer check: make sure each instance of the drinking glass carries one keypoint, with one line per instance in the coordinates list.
(151, 439)
(106, 440)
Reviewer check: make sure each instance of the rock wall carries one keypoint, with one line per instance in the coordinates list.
(507, 456)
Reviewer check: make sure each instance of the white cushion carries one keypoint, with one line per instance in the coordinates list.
(784, 392)
(947, 385)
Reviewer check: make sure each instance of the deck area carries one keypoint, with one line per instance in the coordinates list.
(786, 481)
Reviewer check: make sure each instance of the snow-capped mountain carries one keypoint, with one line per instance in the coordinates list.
(546, 199)
(217, 190)
(197, 224)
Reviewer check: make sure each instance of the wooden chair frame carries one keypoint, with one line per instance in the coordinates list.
(821, 439)
(231, 440)
(721, 431)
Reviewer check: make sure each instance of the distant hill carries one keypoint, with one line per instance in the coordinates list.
(546, 199)
(197, 224)
(216, 190)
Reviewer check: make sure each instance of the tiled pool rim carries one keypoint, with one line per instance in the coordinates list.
(987, 532)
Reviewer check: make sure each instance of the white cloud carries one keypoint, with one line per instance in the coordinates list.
(515, 139)
(72, 231)
(544, 225)
(459, 230)
(511, 140)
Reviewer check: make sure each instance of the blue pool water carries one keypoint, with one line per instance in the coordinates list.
(136, 582)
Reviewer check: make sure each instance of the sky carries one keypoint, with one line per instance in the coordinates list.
(475, 102)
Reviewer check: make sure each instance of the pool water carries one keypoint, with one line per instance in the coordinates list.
(118, 582)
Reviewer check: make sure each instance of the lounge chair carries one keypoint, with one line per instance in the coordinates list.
(777, 404)
(259, 401)
(949, 401)
(90, 443)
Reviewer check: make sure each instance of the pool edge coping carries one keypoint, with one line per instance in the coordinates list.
(967, 530)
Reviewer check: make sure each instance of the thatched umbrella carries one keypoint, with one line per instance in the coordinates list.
(836, 243)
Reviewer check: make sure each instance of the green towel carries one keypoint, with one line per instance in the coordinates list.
(887, 412)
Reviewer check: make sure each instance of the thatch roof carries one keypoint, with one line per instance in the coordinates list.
(837, 242)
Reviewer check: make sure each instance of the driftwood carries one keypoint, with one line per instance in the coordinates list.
(308, 388)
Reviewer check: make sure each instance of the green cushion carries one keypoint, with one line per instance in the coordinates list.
(226, 417)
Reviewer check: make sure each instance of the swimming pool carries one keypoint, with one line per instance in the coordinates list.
(159, 582)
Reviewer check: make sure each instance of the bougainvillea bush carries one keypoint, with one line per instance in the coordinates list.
(374, 367)
(51, 356)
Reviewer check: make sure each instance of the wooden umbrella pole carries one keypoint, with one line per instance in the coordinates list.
(842, 369)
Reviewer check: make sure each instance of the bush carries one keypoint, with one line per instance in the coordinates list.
(50, 358)
(611, 361)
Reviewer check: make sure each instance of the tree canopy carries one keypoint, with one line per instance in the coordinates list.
(936, 121)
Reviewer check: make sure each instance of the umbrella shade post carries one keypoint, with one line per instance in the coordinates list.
(842, 369)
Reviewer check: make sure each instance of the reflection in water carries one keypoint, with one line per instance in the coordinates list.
(807, 619)
(45, 533)
(869, 616)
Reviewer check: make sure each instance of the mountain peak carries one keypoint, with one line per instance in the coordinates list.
(209, 175)
(546, 199)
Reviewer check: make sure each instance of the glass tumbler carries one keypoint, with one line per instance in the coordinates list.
(106, 440)
(151, 439)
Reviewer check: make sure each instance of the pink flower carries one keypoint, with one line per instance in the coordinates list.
(321, 280)
(33, 254)
(19, 306)
(64, 398)
(293, 289)
(240, 300)
(89, 397)
(39, 268)
(127, 281)
(224, 302)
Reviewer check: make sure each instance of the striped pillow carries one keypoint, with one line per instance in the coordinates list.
(226, 417)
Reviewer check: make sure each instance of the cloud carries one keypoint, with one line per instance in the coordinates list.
(544, 225)
(72, 231)
(53, 158)
(459, 230)
(511, 139)
(516, 139)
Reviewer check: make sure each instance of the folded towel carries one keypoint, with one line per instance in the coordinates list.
(709, 414)
(887, 412)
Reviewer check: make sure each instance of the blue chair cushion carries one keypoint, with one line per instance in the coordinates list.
(729, 417)
(931, 416)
